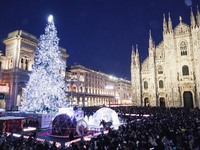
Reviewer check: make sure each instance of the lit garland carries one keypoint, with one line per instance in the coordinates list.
(45, 91)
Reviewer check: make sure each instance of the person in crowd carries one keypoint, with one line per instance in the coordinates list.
(163, 129)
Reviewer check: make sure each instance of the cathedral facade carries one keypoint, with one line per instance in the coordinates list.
(170, 75)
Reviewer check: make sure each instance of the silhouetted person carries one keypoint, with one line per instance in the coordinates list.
(71, 136)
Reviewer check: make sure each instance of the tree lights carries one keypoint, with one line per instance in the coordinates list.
(45, 91)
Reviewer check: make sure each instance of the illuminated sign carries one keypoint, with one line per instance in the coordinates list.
(4, 89)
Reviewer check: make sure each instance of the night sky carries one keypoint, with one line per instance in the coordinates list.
(98, 34)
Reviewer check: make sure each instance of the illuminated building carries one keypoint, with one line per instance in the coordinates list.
(15, 65)
(87, 87)
(170, 75)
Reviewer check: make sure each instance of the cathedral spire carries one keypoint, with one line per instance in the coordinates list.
(192, 20)
(169, 23)
(150, 40)
(198, 17)
(133, 51)
(137, 53)
(164, 24)
(133, 56)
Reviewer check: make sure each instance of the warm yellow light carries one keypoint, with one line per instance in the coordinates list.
(109, 87)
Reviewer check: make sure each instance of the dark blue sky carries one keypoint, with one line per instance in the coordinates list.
(98, 34)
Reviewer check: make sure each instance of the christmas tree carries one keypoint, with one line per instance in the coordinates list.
(45, 91)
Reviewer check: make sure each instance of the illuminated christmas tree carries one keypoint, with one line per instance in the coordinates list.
(45, 91)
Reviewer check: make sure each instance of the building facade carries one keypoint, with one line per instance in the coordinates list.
(87, 87)
(16, 65)
(170, 75)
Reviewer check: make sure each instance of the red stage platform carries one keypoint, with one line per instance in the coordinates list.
(11, 124)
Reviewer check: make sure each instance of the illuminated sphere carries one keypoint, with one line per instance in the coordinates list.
(106, 114)
(63, 125)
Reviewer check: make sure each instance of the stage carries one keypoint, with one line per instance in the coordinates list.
(45, 136)
(11, 123)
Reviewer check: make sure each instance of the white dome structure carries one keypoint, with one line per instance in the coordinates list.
(106, 114)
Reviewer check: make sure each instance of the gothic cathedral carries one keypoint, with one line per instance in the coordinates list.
(170, 75)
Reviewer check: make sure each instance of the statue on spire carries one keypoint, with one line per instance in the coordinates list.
(180, 19)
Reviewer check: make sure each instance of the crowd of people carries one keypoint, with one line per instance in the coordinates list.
(163, 129)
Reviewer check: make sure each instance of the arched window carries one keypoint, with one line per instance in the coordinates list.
(161, 85)
(185, 70)
(22, 61)
(81, 89)
(74, 88)
(145, 85)
(160, 70)
(26, 63)
(183, 48)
